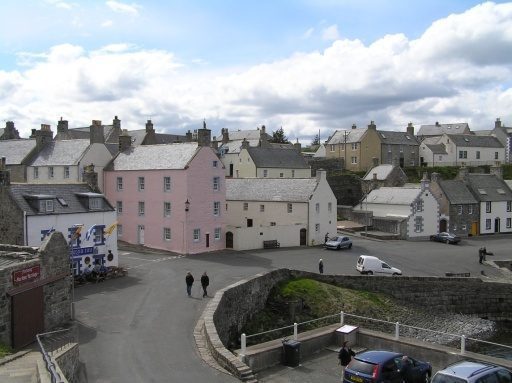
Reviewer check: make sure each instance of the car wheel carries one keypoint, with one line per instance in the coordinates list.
(427, 378)
(447, 241)
(338, 248)
(369, 273)
(350, 246)
(395, 274)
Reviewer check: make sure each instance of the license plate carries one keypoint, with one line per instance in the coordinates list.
(356, 379)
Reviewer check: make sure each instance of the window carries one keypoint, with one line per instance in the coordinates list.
(141, 208)
(418, 224)
(329, 207)
(317, 227)
(98, 235)
(459, 209)
(389, 148)
(167, 233)
(262, 208)
(440, 158)
(246, 206)
(36, 173)
(119, 230)
(249, 222)
(215, 164)
(509, 205)
(332, 148)
(167, 184)
(463, 227)
(265, 172)
(95, 203)
(197, 235)
(478, 154)
(401, 148)
(487, 224)
(496, 155)
(354, 145)
(66, 171)
(419, 205)
(470, 209)
(141, 183)
(353, 160)
(509, 223)
(119, 207)
(48, 205)
(281, 175)
(50, 171)
(293, 173)
(119, 183)
(216, 208)
(167, 209)
(272, 223)
(216, 233)
(463, 154)
(488, 207)
(290, 208)
(317, 208)
(216, 183)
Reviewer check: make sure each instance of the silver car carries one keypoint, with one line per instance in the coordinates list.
(338, 242)
(472, 372)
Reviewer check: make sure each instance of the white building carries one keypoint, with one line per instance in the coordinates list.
(293, 211)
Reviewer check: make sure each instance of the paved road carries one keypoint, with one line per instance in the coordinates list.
(140, 328)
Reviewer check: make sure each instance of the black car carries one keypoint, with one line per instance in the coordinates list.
(386, 367)
(445, 237)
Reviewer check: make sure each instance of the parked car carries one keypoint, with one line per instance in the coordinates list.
(472, 372)
(445, 237)
(338, 242)
(385, 366)
(367, 264)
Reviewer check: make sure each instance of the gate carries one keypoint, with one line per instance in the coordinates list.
(27, 316)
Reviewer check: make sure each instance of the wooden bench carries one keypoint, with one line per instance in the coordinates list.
(272, 244)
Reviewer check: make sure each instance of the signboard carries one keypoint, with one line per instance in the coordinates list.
(79, 251)
(26, 275)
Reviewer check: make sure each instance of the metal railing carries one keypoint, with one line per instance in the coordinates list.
(394, 327)
(51, 342)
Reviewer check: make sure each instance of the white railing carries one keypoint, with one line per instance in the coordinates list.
(396, 326)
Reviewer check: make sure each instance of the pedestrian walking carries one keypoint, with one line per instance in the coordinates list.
(321, 266)
(480, 255)
(205, 281)
(406, 370)
(189, 280)
(345, 356)
(326, 237)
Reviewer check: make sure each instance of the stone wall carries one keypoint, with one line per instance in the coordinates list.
(68, 361)
(11, 219)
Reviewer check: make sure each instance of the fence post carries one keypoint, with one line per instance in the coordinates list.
(295, 332)
(397, 330)
(243, 342)
(463, 344)
(342, 318)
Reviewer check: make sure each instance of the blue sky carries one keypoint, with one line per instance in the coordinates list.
(242, 64)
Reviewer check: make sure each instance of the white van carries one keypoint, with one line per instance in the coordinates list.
(367, 264)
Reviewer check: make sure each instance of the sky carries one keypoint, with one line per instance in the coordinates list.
(308, 66)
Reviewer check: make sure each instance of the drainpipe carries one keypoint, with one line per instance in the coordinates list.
(25, 229)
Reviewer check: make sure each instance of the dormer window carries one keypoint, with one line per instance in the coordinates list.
(95, 203)
(50, 172)
(48, 205)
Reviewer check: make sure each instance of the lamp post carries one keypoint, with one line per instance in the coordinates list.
(187, 208)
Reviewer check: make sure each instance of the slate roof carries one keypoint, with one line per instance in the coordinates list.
(437, 148)
(457, 192)
(482, 132)
(235, 146)
(277, 158)
(353, 135)
(67, 152)
(382, 171)
(488, 187)
(393, 195)
(70, 193)
(397, 138)
(15, 151)
(270, 189)
(148, 157)
(470, 140)
(440, 129)
(247, 134)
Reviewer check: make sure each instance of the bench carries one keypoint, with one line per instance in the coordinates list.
(465, 275)
(272, 244)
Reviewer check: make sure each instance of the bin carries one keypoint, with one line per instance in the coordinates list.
(291, 351)
(348, 334)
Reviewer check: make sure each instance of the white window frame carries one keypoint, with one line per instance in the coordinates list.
(95, 203)
(272, 224)
(470, 209)
(142, 183)
(119, 230)
(488, 207)
(459, 209)
(496, 155)
(509, 223)
(354, 145)
(216, 208)
(119, 207)
(196, 235)
(353, 160)
(262, 208)
(289, 208)
(317, 227)
(167, 234)
(293, 173)
(509, 205)
(265, 173)
(246, 206)
(36, 173)
(142, 208)
(119, 183)
(216, 183)
(329, 207)
(317, 207)
(488, 224)
(333, 148)
(167, 184)
(48, 205)
(216, 233)
(66, 171)
(167, 209)
(215, 163)
(51, 172)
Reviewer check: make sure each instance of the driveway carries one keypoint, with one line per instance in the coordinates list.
(139, 328)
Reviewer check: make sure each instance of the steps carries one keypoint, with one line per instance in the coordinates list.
(23, 367)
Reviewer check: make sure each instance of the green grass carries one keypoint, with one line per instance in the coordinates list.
(4, 350)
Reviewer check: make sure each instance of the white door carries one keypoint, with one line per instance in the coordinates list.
(141, 234)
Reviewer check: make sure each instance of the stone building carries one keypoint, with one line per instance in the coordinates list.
(383, 175)
(35, 290)
(399, 148)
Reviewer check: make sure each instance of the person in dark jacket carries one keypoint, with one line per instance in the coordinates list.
(345, 356)
(205, 281)
(406, 370)
(321, 266)
(189, 280)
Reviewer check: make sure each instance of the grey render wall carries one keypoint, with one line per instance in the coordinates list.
(11, 219)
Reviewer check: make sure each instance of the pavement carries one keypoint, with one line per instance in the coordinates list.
(143, 327)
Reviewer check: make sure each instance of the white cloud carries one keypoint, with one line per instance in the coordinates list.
(308, 33)
(107, 23)
(61, 4)
(117, 6)
(330, 33)
(393, 81)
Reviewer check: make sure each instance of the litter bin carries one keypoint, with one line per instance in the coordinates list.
(291, 350)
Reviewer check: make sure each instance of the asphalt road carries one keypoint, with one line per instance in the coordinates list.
(139, 328)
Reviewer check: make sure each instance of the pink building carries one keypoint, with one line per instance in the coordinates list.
(169, 197)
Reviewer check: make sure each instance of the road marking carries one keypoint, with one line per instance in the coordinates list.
(152, 261)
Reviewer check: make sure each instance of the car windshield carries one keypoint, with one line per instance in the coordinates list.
(360, 366)
(442, 378)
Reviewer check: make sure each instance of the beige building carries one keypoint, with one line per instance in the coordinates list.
(295, 212)
(356, 148)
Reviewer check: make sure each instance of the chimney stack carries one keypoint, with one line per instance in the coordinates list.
(462, 174)
(125, 141)
(43, 136)
(245, 144)
(497, 123)
(434, 177)
(10, 131)
(375, 161)
(410, 129)
(225, 135)
(116, 123)
(372, 126)
(496, 170)
(62, 126)
(188, 136)
(425, 182)
(354, 126)
(96, 132)
(437, 123)
(298, 146)
(149, 127)
(204, 136)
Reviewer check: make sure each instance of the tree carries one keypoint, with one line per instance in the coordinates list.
(278, 137)
(316, 140)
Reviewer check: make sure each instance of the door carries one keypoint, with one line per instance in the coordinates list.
(229, 240)
(303, 239)
(402, 162)
(442, 225)
(207, 240)
(474, 228)
(27, 317)
(497, 225)
(141, 234)
(231, 170)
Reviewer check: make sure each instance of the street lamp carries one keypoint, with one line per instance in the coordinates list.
(187, 205)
